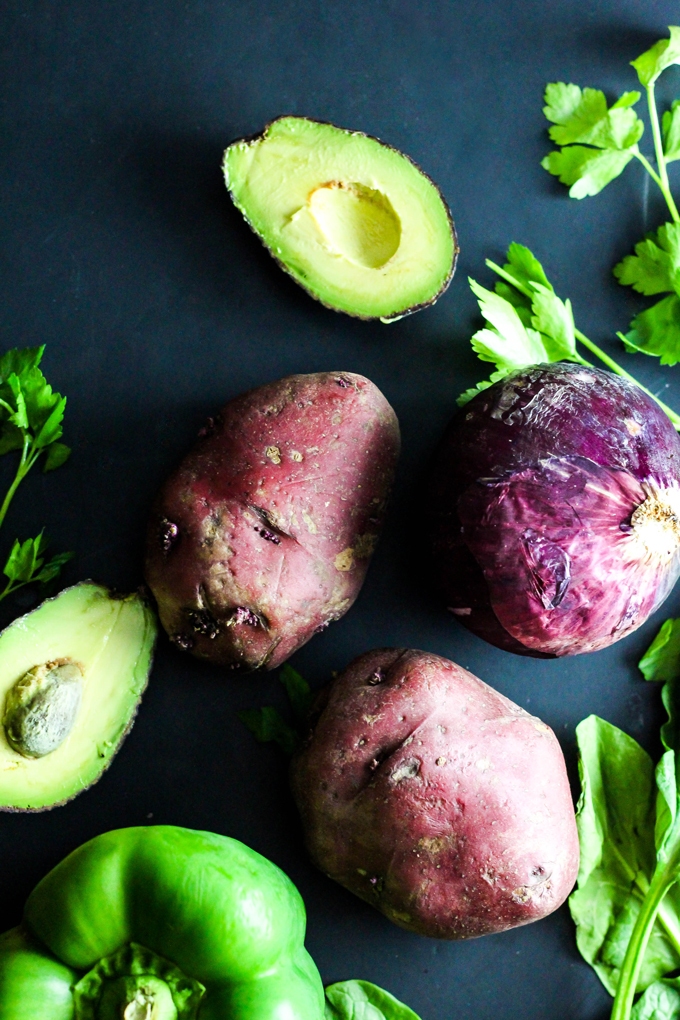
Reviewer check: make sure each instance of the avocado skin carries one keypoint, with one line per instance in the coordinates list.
(393, 317)
(145, 601)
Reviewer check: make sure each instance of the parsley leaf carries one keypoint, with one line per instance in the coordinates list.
(655, 269)
(527, 324)
(268, 725)
(658, 57)
(656, 331)
(670, 123)
(26, 564)
(582, 116)
(31, 416)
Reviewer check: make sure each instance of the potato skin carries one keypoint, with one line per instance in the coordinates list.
(263, 534)
(436, 799)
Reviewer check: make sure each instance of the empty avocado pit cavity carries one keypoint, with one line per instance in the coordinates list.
(356, 222)
(41, 708)
(352, 220)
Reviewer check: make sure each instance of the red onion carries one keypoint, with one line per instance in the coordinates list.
(556, 510)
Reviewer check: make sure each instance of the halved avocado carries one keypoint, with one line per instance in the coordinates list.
(354, 221)
(72, 673)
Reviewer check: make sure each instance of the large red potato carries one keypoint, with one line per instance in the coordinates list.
(263, 534)
(436, 799)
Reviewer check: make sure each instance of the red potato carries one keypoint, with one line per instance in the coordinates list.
(436, 799)
(263, 534)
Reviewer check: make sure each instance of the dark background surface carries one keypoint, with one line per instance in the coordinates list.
(120, 250)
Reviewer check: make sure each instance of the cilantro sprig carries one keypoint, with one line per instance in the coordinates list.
(528, 324)
(31, 416)
(596, 143)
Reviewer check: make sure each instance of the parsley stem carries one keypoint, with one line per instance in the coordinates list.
(660, 158)
(592, 347)
(650, 169)
(25, 464)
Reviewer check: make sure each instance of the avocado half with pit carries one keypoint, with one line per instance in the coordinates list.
(72, 673)
(354, 221)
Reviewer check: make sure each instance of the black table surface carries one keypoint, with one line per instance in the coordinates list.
(122, 252)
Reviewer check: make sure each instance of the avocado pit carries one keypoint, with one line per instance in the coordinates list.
(41, 707)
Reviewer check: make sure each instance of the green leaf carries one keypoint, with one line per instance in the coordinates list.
(670, 124)
(655, 266)
(19, 361)
(51, 430)
(361, 1000)
(661, 1001)
(586, 171)
(20, 418)
(554, 320)
(53, 568)
(616, 824)
(298, 691)
(506, 342)
(660, 56)
(267, 726)
(22, 559)
(11, 438)
(583, 116)
(57, 454)
(661, 661)
(521, 329)
(523, 265)
(468, 395)
(656, 331)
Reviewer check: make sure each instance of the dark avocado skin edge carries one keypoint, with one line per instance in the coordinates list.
(113, 594)
(250, 139)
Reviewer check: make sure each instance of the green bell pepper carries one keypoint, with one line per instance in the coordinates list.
(161, 923)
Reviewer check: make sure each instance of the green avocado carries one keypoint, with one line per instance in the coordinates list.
(354, 222)
(72, 673)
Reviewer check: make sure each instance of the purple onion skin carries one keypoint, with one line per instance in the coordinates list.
(537, 544)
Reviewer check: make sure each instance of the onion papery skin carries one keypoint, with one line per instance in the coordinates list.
(537, 546)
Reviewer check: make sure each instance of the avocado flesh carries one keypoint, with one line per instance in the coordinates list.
(111, 639)
(353, 221)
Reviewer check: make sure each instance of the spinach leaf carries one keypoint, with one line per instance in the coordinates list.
(661, 1001)
(361, 1000)
(616, 823)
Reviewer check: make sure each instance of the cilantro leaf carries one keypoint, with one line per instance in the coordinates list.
(661, 55)
(583, 116)
(554, 320)
(670, 124)
(655, 267)
(586, 171)
(656, 331)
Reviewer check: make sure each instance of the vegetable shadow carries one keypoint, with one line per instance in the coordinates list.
(173, 182)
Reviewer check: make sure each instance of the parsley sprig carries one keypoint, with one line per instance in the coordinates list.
(528, 324)
(31, 416)
(596, 143)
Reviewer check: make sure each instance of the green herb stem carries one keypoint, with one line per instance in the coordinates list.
(662, 881)
(649, 168)
(662, 178)
(29, 456)
(592, 347)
